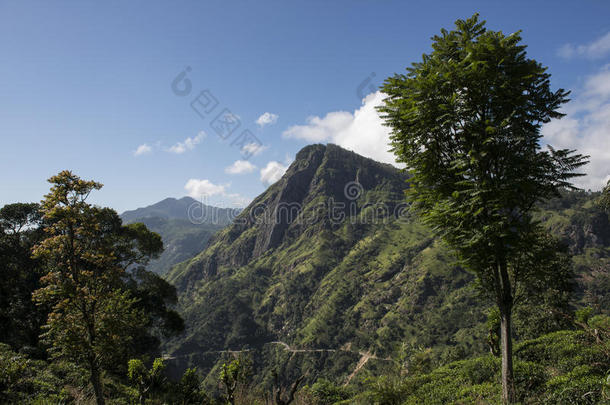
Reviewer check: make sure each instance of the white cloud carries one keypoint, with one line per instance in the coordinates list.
(321, 129)
(143, 149)
(214, 194)
(361, 131)
(240, 167)
(204, 188)
(273, 172)
(593, 50)
(586, 128)
(267, 119)
(188, 144)
(253, 149)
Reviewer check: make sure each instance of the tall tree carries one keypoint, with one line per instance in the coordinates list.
(87, 251)
(20, 319)
(466, 122)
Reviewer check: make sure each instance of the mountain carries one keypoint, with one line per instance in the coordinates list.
(327, 273)
(327, 258)
(185, 225)
(185, 208)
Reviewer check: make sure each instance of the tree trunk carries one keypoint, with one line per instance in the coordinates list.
(505, 305)
(97, 386)
(508, 387)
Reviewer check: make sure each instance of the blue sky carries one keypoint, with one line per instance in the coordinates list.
(84, 85)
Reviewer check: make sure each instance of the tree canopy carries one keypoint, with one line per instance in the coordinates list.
(466, 122)
(87, 252)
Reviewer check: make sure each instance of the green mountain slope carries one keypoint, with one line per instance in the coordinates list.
(185, 225)
(327, 269)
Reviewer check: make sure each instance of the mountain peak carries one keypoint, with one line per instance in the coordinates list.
(324, 183)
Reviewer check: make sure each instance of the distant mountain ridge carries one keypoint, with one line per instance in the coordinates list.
(185, 225)
(186, 208)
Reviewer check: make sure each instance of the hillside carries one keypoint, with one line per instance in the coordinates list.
(185, 225)
(326, 271)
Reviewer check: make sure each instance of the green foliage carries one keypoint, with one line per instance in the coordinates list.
(387, 390)
(562, 367)
(604, 200)
(188, 390)
(24, 380)
(235, 374)
(182, 239)
(147, 382)
(544, 285)
(324, 392)
(466, 122)
(20, 319)
(86, 252)
(579, 386)
(474, 99)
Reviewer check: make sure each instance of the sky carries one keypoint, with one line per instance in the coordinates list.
(213, 99)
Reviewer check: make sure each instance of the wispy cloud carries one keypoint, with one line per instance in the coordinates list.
(267, 119)
(593, 50)
(274, 171)
(198, 188)
(253, 149)
(204, 189)
(143, 149)
(240, 167)
(586, 128)
(361, 131)
(187, 144)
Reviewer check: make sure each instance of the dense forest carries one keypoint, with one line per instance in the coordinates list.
(487, 283)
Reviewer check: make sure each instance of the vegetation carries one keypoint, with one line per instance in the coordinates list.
(76, 296)
(466, 122)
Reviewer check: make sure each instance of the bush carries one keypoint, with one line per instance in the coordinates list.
(324, 392)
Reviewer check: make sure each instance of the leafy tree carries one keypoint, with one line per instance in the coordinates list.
(145, 380)
(87, 251)
(466, 122)
(20, 319)
(233, 374)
